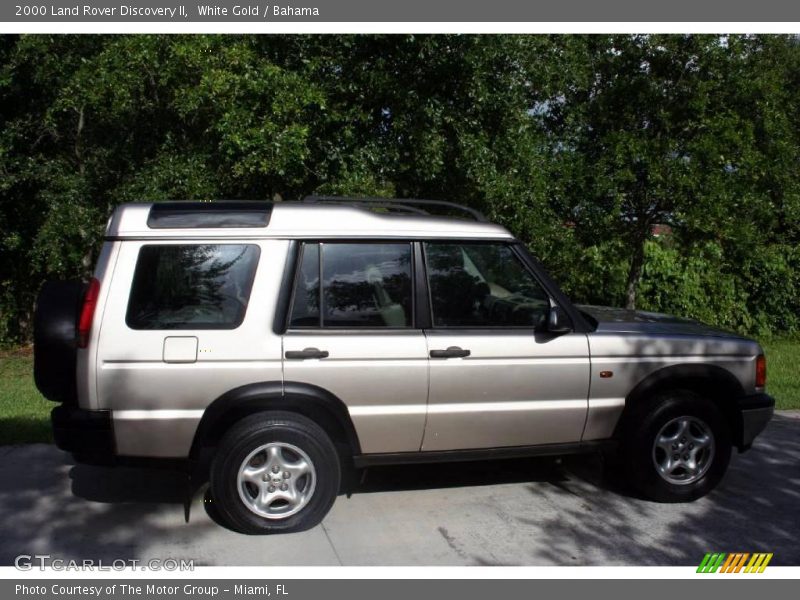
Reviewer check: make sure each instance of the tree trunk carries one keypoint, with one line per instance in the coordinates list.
(635, 271)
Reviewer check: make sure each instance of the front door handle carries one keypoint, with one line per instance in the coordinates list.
(306, 353)
(451, 352)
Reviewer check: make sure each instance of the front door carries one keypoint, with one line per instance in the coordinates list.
(497, 378)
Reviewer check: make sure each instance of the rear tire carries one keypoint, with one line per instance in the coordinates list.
(274, 472)
(676, 448)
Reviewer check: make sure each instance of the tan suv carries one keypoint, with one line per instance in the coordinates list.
(272, 346)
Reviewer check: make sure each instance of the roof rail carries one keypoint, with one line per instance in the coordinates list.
(408, 205)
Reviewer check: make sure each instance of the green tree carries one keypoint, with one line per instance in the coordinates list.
(578, 144)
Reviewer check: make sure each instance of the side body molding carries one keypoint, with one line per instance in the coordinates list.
(309, 400)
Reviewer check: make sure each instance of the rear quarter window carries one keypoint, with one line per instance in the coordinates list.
(192, 286)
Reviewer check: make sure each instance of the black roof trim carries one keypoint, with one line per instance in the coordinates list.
(209, 215)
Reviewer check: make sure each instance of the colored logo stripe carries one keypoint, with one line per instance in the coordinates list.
(711, 562)
(758, 563)
(734, 562)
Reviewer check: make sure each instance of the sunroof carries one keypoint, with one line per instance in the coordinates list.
(208, 215)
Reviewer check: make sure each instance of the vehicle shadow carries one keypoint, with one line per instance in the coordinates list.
(45, 510)
(599, 520)
(457, 474)
(576, 514)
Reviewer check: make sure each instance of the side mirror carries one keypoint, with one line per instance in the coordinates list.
(558, 321)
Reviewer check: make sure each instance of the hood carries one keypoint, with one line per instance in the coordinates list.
(621, 320)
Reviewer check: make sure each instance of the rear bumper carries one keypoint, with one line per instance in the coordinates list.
(756, 410)
(87, 434)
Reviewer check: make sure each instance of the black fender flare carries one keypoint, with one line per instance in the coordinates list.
(719, 384)
(304, 398)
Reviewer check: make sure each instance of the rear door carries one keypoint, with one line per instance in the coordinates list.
(497, 378)
(352, 332)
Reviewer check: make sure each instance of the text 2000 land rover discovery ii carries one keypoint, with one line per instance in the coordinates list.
(272, 346)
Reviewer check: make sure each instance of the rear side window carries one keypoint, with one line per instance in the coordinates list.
(362, 285)
(192, 286)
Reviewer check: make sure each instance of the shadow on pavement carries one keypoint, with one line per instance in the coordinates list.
(574, 515)
(753, 510)
(45, 509)
(458, 474)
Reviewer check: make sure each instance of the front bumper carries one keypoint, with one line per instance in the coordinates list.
(87, 434)
(756, 410)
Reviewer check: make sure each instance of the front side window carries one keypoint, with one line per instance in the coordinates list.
(362, 285)
(192, 286)
(482, 285)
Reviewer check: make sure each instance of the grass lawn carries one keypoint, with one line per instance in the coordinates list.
(25, 414)
(783, 371)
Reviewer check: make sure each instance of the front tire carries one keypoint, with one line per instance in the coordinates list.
(677, 448)
(274, 472)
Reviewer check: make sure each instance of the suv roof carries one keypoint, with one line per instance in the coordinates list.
(342, 218)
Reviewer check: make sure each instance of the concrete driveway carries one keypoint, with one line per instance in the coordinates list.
(520, 512)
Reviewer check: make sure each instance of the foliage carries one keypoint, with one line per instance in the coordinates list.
(578, 144)
(783, 378)
(24, 412)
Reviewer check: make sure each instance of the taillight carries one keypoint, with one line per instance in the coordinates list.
(87, 313)
(761, 371)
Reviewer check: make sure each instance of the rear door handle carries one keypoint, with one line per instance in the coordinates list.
(451, 352)
(306, 353)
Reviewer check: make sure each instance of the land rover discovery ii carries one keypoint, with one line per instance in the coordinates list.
(274, 346)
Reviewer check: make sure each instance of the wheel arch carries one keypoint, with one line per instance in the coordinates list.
(311, 401)
(711, 381)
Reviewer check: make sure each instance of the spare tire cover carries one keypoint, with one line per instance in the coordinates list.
(55, 325)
